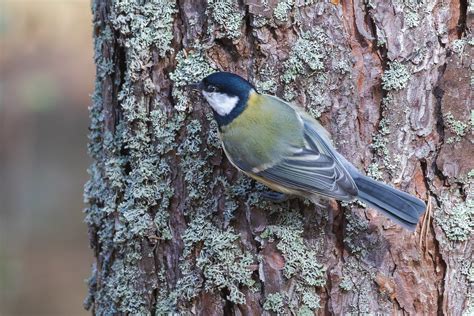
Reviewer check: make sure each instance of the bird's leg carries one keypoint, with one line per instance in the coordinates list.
(274, 196)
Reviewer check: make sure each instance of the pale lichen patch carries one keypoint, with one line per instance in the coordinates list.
(227, 18)
(396, 77)
(459, 128)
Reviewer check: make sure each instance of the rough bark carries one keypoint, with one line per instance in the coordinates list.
(176, 229)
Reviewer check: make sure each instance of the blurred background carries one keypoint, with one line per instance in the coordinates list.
(46, 78)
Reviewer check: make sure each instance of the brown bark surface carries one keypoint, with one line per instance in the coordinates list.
(176, 229)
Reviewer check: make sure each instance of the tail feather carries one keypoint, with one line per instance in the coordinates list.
(399, 206)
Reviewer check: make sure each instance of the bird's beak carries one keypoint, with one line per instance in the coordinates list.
(197, 86)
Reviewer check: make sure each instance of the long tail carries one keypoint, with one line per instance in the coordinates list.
(399, 206)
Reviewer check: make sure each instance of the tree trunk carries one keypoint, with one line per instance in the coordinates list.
(176, 229)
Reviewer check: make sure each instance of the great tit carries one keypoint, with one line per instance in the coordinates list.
(281, 146)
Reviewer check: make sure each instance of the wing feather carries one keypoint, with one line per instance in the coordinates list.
(315, 170)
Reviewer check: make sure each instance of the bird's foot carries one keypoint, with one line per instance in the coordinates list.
(274, 196)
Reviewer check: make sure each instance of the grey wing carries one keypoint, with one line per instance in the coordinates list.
(314, 170)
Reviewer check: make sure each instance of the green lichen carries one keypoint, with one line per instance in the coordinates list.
(266, 83)
(412, 19)
(223, 263)
(165, 303)
(311, 300)
(413, 12)
(165, 129)
(143, 26)
(304, 311)
(457, 222)
(379, 140)
(374, 172)
(104, 65)
(302, 300)
(302, 3)
(346, 284)
(319, 100)
(212, 259)
(470, 296)
(299, 259)
(135, 180)
(282, 9)
(355, 226)
(455, 216)
(191, 67)
(343, 66)
(470, 41)
(307, 60)
(470, 174)
(396, 77)
(358, 278)
(274, 302)
(457, 127)
(125, 283)
(458, 46)
(227, 17)
(383, 159)
(307, 55)
(289, 93)
(467, 270)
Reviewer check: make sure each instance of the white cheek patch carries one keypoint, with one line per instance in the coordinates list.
(221, 102)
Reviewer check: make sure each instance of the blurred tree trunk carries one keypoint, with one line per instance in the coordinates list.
(176, 229)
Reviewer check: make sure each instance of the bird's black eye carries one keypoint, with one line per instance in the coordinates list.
(211, 88)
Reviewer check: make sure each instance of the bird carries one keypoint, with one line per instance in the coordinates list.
(284, 148)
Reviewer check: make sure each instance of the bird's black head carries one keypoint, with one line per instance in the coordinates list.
(227, 94)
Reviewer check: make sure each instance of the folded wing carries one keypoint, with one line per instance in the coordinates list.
(314, 170)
